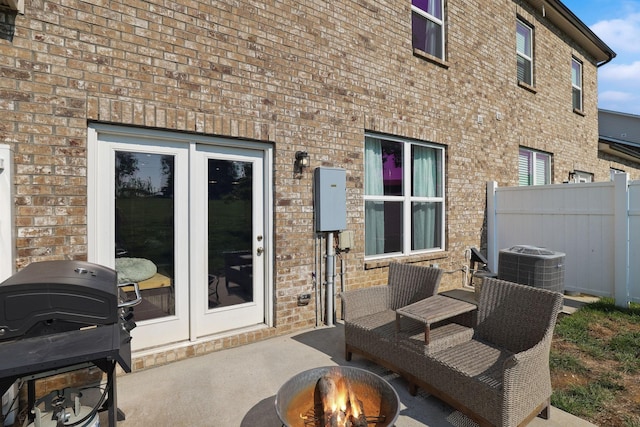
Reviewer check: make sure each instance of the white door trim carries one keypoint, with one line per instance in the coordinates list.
(204, 320)
(7, 223)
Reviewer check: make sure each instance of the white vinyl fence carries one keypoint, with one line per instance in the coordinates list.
(596, 225)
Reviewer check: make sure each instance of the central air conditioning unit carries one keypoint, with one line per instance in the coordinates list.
(533, 266)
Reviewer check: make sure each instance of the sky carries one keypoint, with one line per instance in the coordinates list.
(617, 23)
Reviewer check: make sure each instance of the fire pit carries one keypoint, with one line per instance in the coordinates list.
(361, 397)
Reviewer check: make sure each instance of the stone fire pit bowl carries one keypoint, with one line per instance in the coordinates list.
(295, 399)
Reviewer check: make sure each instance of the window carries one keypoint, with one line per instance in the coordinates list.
(428, 26)
(524, 51)
(534, 167)
(404, 196)
(576, 83)
(580, 177)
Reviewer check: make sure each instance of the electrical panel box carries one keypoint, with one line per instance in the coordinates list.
(330, 199)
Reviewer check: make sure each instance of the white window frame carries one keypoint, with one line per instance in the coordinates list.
(407, 198)
(435, 20)
(526, 56)
(580, 177)
(534, 161)
(576, 84)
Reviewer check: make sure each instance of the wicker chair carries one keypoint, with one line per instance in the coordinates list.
(500, 375)
(369, 313)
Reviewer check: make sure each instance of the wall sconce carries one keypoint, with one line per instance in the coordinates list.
(302, 161)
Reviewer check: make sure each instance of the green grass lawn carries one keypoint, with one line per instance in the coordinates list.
(595, 364)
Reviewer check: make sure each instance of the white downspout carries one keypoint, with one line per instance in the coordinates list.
(492, 232)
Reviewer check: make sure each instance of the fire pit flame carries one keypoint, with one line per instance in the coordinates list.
(337, 397)
(340, 406)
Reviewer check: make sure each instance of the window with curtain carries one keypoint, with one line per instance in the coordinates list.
(404, 196)
(427, 24)
(524, 52)
(576, 83)
(534, 167)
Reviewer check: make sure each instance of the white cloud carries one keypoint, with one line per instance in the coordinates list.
(620, 74)
(614, 96)
(613, 100)
(619, 80)
(621, 34)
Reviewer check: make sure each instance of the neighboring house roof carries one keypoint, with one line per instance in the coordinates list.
(619, 134)
(563, 18)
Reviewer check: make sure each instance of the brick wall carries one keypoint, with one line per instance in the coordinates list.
(301, 75)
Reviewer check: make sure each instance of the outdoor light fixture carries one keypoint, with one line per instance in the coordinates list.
(302, 160)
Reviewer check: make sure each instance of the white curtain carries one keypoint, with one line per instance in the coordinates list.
(434, 40)
(373, 186)
(424, 215)
(432, 7)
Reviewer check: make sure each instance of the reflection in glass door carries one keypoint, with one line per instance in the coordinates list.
(230, 231)
(227, 244)
(144, 229)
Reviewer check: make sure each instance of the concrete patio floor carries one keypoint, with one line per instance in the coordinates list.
(237, 387)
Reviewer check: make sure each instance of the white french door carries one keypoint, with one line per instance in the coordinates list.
(227, 245)
(183, 217)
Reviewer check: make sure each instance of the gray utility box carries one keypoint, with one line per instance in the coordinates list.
(330, 201)
(533, 266)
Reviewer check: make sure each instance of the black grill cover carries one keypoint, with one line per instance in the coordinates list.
(68, 291)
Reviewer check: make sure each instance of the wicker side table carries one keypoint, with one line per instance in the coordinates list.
(433, 310)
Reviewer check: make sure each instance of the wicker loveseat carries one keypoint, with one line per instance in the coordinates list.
(369, 317)
(496, 373)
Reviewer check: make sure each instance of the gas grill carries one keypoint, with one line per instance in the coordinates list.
(58, 316)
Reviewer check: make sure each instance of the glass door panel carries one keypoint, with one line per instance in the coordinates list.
(230, 231)
(144, 229)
